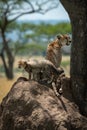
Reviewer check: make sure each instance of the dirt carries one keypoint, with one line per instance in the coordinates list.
(30, 105)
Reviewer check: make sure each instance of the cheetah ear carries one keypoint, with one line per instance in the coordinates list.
(25, 64)
(59, 36)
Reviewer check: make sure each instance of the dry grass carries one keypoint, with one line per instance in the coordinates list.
(5, 86)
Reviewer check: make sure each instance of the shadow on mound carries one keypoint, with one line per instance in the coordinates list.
(33, 106)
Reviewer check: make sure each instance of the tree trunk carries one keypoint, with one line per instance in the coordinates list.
(77, 11)
(7, 63)
(8, 69)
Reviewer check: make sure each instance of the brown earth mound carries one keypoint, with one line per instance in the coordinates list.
(33, 106)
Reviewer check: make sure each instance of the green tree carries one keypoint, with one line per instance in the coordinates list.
(31, 33)
(43, 32)
(11, 10)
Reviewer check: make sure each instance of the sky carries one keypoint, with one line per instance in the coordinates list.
(58, 13)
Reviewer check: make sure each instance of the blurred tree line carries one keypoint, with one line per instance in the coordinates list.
(31, 38)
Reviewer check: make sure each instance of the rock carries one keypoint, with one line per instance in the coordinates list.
(33, 106)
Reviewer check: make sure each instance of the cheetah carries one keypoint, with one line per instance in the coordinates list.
(42, 71)
(54, 53)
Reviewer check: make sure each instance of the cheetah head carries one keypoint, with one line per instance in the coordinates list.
(64, 40)
(22, 63)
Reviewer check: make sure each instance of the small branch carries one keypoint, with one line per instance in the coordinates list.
(43, 11)
(7, 10)
(32, 7)
(28, 12)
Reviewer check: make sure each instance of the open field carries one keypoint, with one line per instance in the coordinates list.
(5, 84)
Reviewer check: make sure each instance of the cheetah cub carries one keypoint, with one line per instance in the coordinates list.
(54, 53)
(42, 71)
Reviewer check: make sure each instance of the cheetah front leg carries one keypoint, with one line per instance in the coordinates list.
(55, 90)
(30, 75)
(51, 79)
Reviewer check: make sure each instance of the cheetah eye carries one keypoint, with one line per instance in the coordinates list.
(24, 62)
(59, 36)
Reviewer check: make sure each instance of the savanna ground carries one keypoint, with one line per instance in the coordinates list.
(5, 84)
